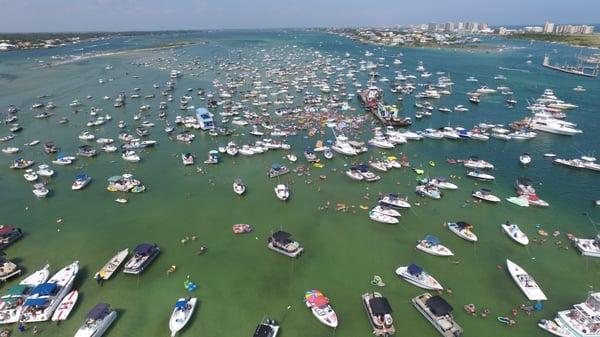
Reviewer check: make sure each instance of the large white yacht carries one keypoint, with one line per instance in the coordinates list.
(342, 146)
(583, 320)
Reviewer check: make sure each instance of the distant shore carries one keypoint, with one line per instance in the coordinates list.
(580, 40)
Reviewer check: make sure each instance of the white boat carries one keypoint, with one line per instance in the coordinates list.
(588, 247)
(383, 218)
(280, 242)
(342, 146)
(239, 187)
(439, 313)
(10, 150)
(66, 306)
(555, 127)
(321, 308)
(112, 265)
(416, 275)
(30, 175)
(478, 164)
(485, 195)
(525, 159)
(515, 233)
(97, 321)
(555, 328)
(582, 319)
(527, 284)
(463, 230)
(394, 200)
(62, 161)
(187, 159)
(428, 190)
(480, 176)
(130, 156)
(282, 192)
(354, 173)
(432, 245)
(81, 181)
(45, 298)
(386, 210)
(379, 313)
(184, 308)
(292, 157)
(11, 305)
(443, 183)
(40, 190)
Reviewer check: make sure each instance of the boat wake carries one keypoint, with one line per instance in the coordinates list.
(513, 69)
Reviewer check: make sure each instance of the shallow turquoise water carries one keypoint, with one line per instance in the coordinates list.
(240, 281)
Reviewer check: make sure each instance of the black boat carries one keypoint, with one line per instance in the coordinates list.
(143, 255)
(8, 235)
(268, 328)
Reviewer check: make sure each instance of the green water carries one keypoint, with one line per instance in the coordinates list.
(241, 281)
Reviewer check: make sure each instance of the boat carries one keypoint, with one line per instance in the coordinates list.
(342, 146)
(383, 218)
(97, 321)
(527, 284)
(10, 150)
(354, 173)
(8, 235)
(112, 265)
(463, 230)
(143, 255)
(428, 190)
(267, 328)
(81, 181)
(184, 308)
(379, 313)
(30, 175)
(241, 228)
(525, 158)
(239, 187)
(292, 157)
(130, 156)
(277, 170)
(386, 210)
(515, 233)
(45, 298)
(282, 192)
(582, 319)
(65, 307)
(40, 190)
(485, 195)
(394, 200)
(187, 159)
(477, 164)
(280, 242)
(439, 313)
(480, 176)
(310, 156)
(443, 183)
(321, 308)
(416, 275)
(553, 327)
(21, 163)
(433, 245)
(588, 247)
(8, 269)
(11, 304)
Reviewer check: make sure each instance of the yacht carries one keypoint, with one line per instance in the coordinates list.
(379, 313)
(527, 284)
(342, 146)
(416, 275)
(463, 230)
(81, 181)
(321, 308)
(478, 164)
(184, 308)
(97, 321)
(588, 247)
(433, 245)
(143, 255)
(280, 242)
(555, 127)
(239, 187)
(282, 192)
(439, 313)
(381, 142)
(12, 303)
(46, 297)
(583, 320)
(515, 233)
(554, 327)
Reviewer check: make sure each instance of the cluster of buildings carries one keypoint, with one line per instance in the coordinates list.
(404, 37)
(551, 28)
(10, 44)
(452, 27)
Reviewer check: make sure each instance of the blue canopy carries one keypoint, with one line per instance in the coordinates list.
(276, 167)
(144, 249)
(433, 240)
(81, 176)
(36, 302)
(181, 304)
(99, 311)
(44, 289)
(413, 269)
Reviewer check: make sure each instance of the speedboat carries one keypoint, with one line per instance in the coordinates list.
(81, 181)
(112, 265)
(428, 190)
(416, 275)
(11, 304)
(354, 173)
(485, 195)
(480, 176)
(379, 313)
(97, 321)
(130, 156)
(184, 308)
(525, 158)
(292, 157)
(311, 156)
(378, 165)
(463, 230)
(86, 135)
(62, 161)
(432, 245)
(321, 308)
(394, 200)
(554, 327)
(268, 328)
(239, 187)
(443, 183)
(21, 163)
(66, 306)
(527, 284)
(30, 175)
(45, 297)
(40, 190)
(439, 313)
(383, 218)
(10, 150)
(277, 170)
(381, 142)
(478, 164)
(282, 192)
(143, 255)
(187, 159)
(386, 210)
(515, 233)
(280, 242)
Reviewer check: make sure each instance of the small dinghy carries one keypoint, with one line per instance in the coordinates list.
(184, 308)
(432, 245)
(66, 306)
(513, 231)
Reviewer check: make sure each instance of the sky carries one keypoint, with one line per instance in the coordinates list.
(121, 15)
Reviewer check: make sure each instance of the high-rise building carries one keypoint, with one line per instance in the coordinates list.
(548, 27)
